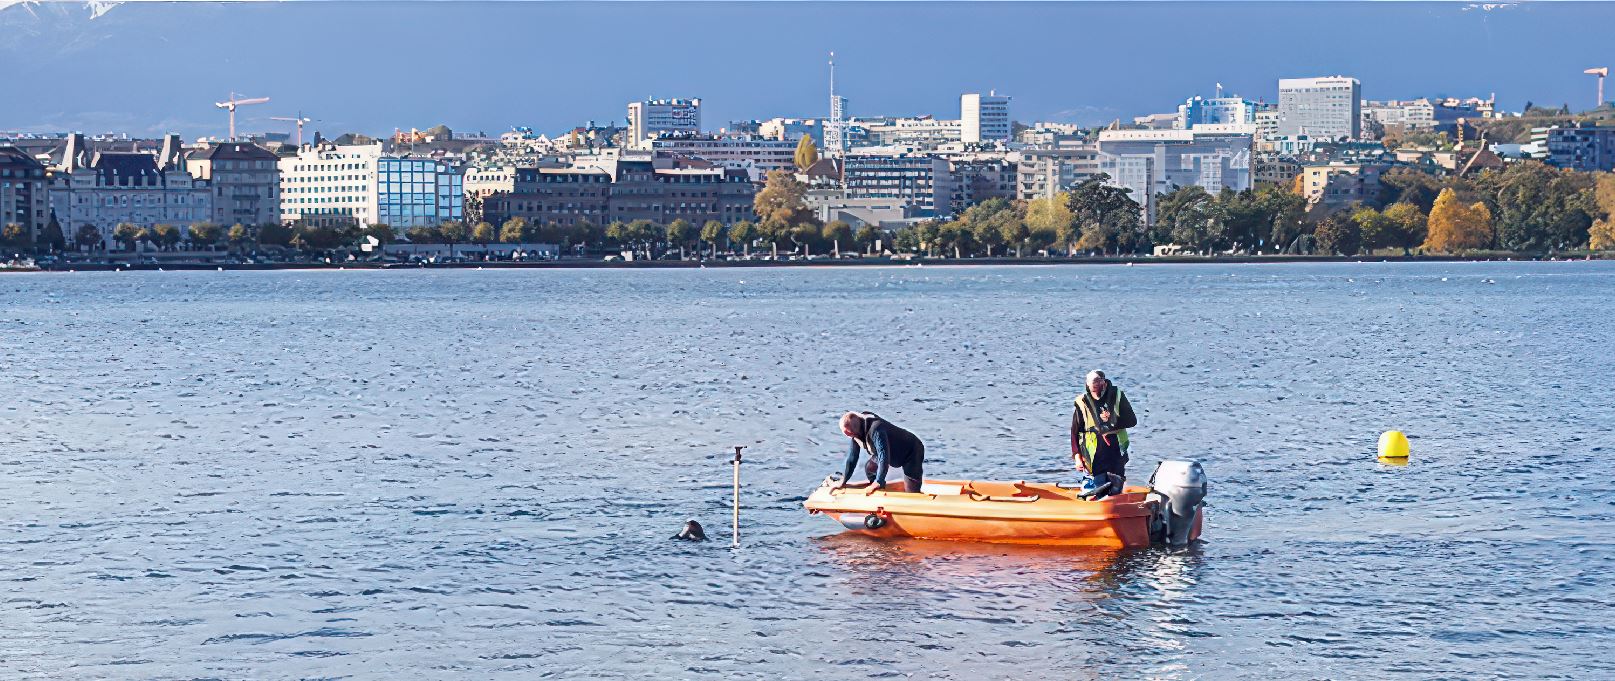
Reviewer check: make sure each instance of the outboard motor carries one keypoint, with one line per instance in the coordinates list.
(1183, 486)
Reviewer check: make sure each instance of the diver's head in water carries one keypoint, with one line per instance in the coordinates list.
(692, 532)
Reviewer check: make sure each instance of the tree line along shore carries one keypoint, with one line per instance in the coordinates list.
(1526, 210)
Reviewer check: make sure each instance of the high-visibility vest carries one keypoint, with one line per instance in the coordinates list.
(1090, 420)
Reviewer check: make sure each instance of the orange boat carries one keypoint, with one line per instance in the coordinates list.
(1021, 512)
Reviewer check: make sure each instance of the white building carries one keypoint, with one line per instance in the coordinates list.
(984, 118)
(1328, 108)
(1152, 162)
(1042, 173)
(651, 117)
(762, 155)
(793, 129)
(922, 132)
(103, 189)
(333, 184)
(1215, 111)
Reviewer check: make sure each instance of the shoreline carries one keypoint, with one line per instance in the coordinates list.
(827, 263)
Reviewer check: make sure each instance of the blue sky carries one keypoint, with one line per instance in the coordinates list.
(371, 66)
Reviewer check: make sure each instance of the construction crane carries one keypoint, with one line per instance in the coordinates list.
(1602, 72)
(231, 105)
(300, 120)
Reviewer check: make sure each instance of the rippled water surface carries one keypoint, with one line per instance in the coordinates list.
(474, 474)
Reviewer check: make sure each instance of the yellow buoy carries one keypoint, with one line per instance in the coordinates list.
(1393, 445)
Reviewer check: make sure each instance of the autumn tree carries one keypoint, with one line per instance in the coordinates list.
(1050, 219)
(1410, 225)
(1452, 226)
(806, 153)
(783, 199)
(1375, 230)
(1601, 237)
(514, 231)
(483, 234)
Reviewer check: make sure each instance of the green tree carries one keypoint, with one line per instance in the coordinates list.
(1285, 213)
(1338, 234)
(712, 233)
(865, 237)
(51, 236)
(451, 233)
(835, 232)
(514, 231)
(642, 234)
(275, 234)
(380, 231)
(1189, 216)
(165, 235)
(1375, 229)
(421, 235)
(743, 233)
(680, 233)
(806, 153)
(773, 231)
(205, 235)
(1538, 208)
(127, 234)
(87, 237)
(1099, 208)
(1410, 228)
(956, 236)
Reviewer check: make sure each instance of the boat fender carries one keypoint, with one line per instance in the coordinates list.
(862, 521)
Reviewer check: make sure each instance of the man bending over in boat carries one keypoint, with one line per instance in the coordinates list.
(888, 447)
(1099, 432)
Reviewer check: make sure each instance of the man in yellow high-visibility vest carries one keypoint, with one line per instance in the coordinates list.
(1099, 426)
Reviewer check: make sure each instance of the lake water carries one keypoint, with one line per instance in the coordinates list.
(474, 474)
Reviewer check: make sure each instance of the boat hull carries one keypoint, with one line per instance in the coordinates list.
(997, 512)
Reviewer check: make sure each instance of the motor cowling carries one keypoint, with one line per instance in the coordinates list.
(862, 521)
(1184, 486)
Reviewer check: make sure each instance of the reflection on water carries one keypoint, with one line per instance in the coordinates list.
(468, 474)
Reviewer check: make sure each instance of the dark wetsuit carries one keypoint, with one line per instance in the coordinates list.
(890, 447)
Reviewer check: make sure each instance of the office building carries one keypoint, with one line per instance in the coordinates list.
(330, 184)
(1328, 108)
(1581, 147)
(1218, 110)
(755, 154)
(984, 118)
(910, 180)
(1153, 162)
(608, 190)
(648, 118)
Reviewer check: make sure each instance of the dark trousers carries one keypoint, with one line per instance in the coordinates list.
(913, 471)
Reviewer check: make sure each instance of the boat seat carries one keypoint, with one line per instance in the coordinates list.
(941, 490)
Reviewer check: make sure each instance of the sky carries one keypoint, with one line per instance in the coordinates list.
(371, 66)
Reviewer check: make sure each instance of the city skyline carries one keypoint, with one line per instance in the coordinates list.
(499, 72)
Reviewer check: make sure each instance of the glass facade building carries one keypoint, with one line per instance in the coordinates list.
(417, 192)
